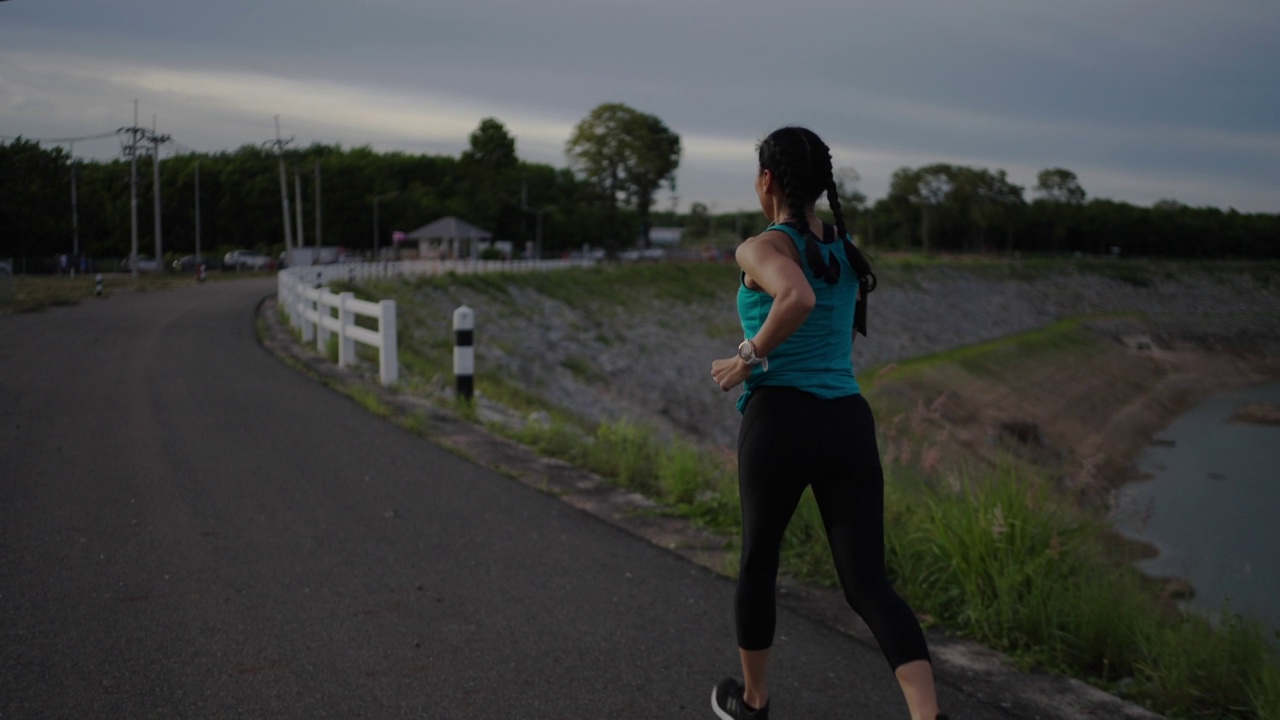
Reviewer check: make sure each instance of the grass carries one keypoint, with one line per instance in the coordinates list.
(993, 552)
(33, 293)
(691, 481)
(1068, 336)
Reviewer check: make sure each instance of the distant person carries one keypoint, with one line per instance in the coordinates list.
(801, 297)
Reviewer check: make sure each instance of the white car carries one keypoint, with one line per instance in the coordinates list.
(245, 260)
(145, 264)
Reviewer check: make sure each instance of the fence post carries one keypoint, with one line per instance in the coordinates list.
(308, 326)
(464, 352)
(322, 311)
(389, 361)
(346, 346)
(299, 305)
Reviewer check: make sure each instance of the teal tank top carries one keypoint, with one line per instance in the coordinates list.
(818, 356)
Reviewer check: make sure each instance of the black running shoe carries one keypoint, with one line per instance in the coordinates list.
(726, 700)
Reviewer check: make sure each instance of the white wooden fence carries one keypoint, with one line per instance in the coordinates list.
(321, 314)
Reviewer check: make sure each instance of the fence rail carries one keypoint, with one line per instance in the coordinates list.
(321, 314)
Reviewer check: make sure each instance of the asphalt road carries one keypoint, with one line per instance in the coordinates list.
(191, 529)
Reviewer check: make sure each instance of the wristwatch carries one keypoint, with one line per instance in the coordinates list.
(747, 354)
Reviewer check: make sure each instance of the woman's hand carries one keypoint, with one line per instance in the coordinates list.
(729, 372)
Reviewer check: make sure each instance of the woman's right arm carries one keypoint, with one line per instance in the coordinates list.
(769, 260)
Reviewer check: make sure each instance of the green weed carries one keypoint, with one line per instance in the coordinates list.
(368, 400)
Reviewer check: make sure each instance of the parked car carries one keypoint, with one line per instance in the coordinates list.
(188, 263)
(245, 260)
(145, 264)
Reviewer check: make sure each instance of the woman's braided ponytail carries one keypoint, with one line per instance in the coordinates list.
(802, 164)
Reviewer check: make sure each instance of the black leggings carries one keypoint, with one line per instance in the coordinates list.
(790, 439)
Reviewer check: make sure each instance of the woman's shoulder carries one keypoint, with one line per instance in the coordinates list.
(769, 239)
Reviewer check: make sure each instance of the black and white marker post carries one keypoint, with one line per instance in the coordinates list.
(464, 352)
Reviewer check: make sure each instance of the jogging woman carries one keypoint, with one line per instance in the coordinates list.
(805, 423)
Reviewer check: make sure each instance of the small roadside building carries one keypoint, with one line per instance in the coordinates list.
(666, 236)
(449, 238)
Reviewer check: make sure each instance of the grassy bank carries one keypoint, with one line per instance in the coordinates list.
(32, 293)
(993, 454)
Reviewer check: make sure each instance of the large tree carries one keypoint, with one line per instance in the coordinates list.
(992, 201)
(489, 168)
(626, 155)
(1060, 185)
(1062, 196)
(924, 191)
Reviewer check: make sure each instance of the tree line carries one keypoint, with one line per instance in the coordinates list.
(617, 159)
(943, 207)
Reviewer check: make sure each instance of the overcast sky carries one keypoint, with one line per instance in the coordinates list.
(1144, 100)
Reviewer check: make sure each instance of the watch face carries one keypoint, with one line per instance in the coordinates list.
(746, 352)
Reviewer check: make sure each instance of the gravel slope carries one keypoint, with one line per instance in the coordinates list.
(653, 363)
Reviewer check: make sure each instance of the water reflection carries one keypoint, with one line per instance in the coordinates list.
(1211, 507)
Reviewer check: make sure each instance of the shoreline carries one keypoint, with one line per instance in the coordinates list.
(1194, 374)
(1084, 414)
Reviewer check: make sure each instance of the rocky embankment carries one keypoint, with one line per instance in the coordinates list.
(651, 360)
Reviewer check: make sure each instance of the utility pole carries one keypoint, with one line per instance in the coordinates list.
(297, 194)
(279, 144)
(316, 259)
(155, 190)
(131, 149)
(524, 205)
(199, 257)
(75, 213)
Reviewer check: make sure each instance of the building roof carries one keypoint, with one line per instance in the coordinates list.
(449, 228)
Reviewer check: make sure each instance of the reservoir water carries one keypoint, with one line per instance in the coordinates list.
(1212, 507)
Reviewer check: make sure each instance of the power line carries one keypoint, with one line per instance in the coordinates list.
(60, 140)
(182, 149)
(164, 139)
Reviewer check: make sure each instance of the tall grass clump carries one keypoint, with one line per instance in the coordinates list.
(1003, 561)
(691, 480)
(1191, 667)
(1264, 692)
(628, 453)
(1000, 558)
(700, 485)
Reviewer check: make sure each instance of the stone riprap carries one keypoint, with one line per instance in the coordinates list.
(651, 362)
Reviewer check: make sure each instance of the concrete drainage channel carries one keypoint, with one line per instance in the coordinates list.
(967, 667)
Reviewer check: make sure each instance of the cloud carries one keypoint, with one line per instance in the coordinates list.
(1177, 100)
